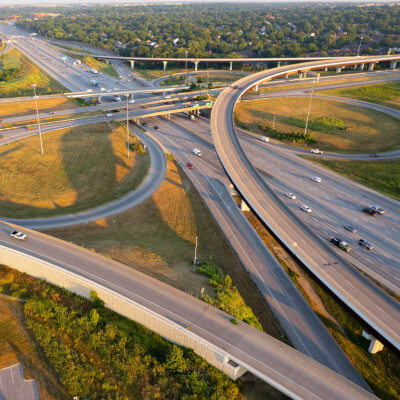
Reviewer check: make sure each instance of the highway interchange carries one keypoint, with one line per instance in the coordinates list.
(327, 200)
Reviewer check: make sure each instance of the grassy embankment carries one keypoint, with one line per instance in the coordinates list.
(382, 370)
(368, 130)
(82, 167)
(380, 175)
(88, 351)
(28, 73)
(19, 108)
(386, 94)
(215, 79)
(157, 237)
(101, 66)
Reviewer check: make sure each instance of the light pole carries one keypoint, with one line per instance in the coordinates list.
(37, 115)
(208, 93)
(127, 123)
(309, 107)
(195, 255)
(359, 47)
(186, 53)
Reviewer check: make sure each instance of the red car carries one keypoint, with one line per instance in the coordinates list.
(189, 165)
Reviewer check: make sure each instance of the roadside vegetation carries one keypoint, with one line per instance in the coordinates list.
(333, 126)
(381, 370)
(99, 354)
(386, 94)
(380, 175)
(158, 237)
(19, 74)
(82, 167)
(101, 66)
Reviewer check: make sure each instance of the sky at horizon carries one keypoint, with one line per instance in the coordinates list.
(94, 2)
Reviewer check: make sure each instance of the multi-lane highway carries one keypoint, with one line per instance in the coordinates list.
(375, 308)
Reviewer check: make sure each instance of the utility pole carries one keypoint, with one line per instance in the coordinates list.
(127, 123)
(273, 124)
(359, 47)
(37, 115)
(309, 108)
(208, 93)
(195, 255)
(186, 53)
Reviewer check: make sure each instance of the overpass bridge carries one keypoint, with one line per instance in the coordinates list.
(229, 61)
(376, 309)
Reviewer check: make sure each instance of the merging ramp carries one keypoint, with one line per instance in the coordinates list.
(378, 311)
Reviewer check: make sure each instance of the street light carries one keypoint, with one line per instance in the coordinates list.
(359, 47)
(127, 123)
(37, 115)
(208, 93)
(195, 255)
(186, 53)
(309, 107)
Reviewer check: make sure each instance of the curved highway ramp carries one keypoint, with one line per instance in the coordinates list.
(380, 312)
(176, 316)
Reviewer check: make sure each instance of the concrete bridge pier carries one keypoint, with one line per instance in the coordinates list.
(230, 66)
(339, 70)
(196, 65)
(371, 67)
(99, 99)
(165, 65)
(326, 69)
(393, 64)
(132, 96)
(278, 64)
(132, 64)
(375, 345)
(107, 61)
(256, 88)
(361, 67)
(287, 76)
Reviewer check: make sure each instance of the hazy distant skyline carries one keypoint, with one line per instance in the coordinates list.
(88, 2)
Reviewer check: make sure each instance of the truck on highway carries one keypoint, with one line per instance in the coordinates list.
(197, 152)
(94, 82)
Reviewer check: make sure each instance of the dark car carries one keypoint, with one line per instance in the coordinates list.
(156, 128)
(365, 244)
(350, 228)
(189, 165)
(144, 124)
(370, 211)
(374, 155)
(335, 240)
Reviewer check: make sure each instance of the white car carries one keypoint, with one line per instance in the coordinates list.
(131, 101)
(306, 208)
(18, 235)
(316, 179)
(290, 195)
(316, 151)
(264, 138)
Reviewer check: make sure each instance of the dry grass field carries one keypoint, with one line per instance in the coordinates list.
(82, 167)
(368, 130)
(15, 109)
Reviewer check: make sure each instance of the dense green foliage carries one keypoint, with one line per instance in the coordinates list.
(98, 354)
(323, 124)
(211, 29)
(227, 298)
(383, 176)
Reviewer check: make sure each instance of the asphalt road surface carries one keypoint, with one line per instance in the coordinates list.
(377, 309)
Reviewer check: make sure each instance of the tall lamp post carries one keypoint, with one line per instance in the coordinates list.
(127, 123)
(359, 47)
(186, 53)
(309, 107)
(37, 115)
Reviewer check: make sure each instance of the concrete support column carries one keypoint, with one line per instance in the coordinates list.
(132, 64)
(196, 65)
(256, 88)
(132, 96)
(107, 61)
(339, 70)
(165, 65)
(393, 64)
(371, 67)
(361, 67)
(244, 207)
(326, 69)
(287, 76)
(230, 66)
(99, 99)
(278, 64)
(375, 345)
(301, 75)
(232, 190)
